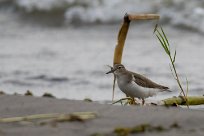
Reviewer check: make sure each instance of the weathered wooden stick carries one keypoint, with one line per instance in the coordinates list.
(180, 100)
(122, 34)
(56, 116)
(124, 30)
(143, 17)
(29, 117)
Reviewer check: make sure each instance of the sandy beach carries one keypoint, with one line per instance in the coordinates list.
(109, 117)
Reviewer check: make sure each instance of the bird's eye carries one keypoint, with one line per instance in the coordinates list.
(119, 67)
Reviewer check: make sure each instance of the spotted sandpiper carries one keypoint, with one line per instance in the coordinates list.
(135, 85)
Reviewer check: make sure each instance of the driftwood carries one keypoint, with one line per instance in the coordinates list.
(57, 117)
(174, 101)
(180, 100)
(124, 30)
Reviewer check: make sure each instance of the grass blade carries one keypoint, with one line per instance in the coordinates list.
(163, 45)
(165, 36)
(172, 72)
(174, 56)
(155, 28)
(164, 42)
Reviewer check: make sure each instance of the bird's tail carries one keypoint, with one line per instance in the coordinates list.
(165, 90)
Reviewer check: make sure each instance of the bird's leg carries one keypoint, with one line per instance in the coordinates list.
(133, 102)
(143, 101)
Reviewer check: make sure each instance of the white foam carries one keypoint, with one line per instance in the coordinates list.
(44, 5)
(189, 13)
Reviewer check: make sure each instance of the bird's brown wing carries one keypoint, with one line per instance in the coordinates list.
(145, 82)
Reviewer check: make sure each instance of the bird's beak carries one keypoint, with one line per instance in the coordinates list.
(111, 71)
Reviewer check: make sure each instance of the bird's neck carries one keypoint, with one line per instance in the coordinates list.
(124, 77)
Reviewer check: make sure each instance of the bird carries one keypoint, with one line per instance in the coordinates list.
(135, 85)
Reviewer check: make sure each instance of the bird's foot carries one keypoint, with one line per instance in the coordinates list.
(132, 101)
(129, 100)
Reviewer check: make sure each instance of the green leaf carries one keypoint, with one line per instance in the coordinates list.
(163, 45)
(165, 36)
(174, 56)
(164, 42)
(155, 28)
(172, 72)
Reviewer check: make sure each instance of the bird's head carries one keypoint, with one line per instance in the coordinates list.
(116, 69)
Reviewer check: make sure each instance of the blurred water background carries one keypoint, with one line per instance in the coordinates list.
(62, 46)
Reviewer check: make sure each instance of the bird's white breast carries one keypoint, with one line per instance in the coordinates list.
(133, 90)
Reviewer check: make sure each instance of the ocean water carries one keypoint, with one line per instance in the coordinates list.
(56, 47)
(182, 13)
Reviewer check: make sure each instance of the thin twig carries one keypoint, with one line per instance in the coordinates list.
(127, 98)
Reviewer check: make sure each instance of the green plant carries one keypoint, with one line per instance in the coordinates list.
(159, 32)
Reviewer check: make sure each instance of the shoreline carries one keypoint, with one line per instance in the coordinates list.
(109, 117)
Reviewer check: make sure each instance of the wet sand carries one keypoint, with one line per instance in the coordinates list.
(108, 118)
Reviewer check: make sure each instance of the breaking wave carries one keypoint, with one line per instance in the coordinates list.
(186, 13)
